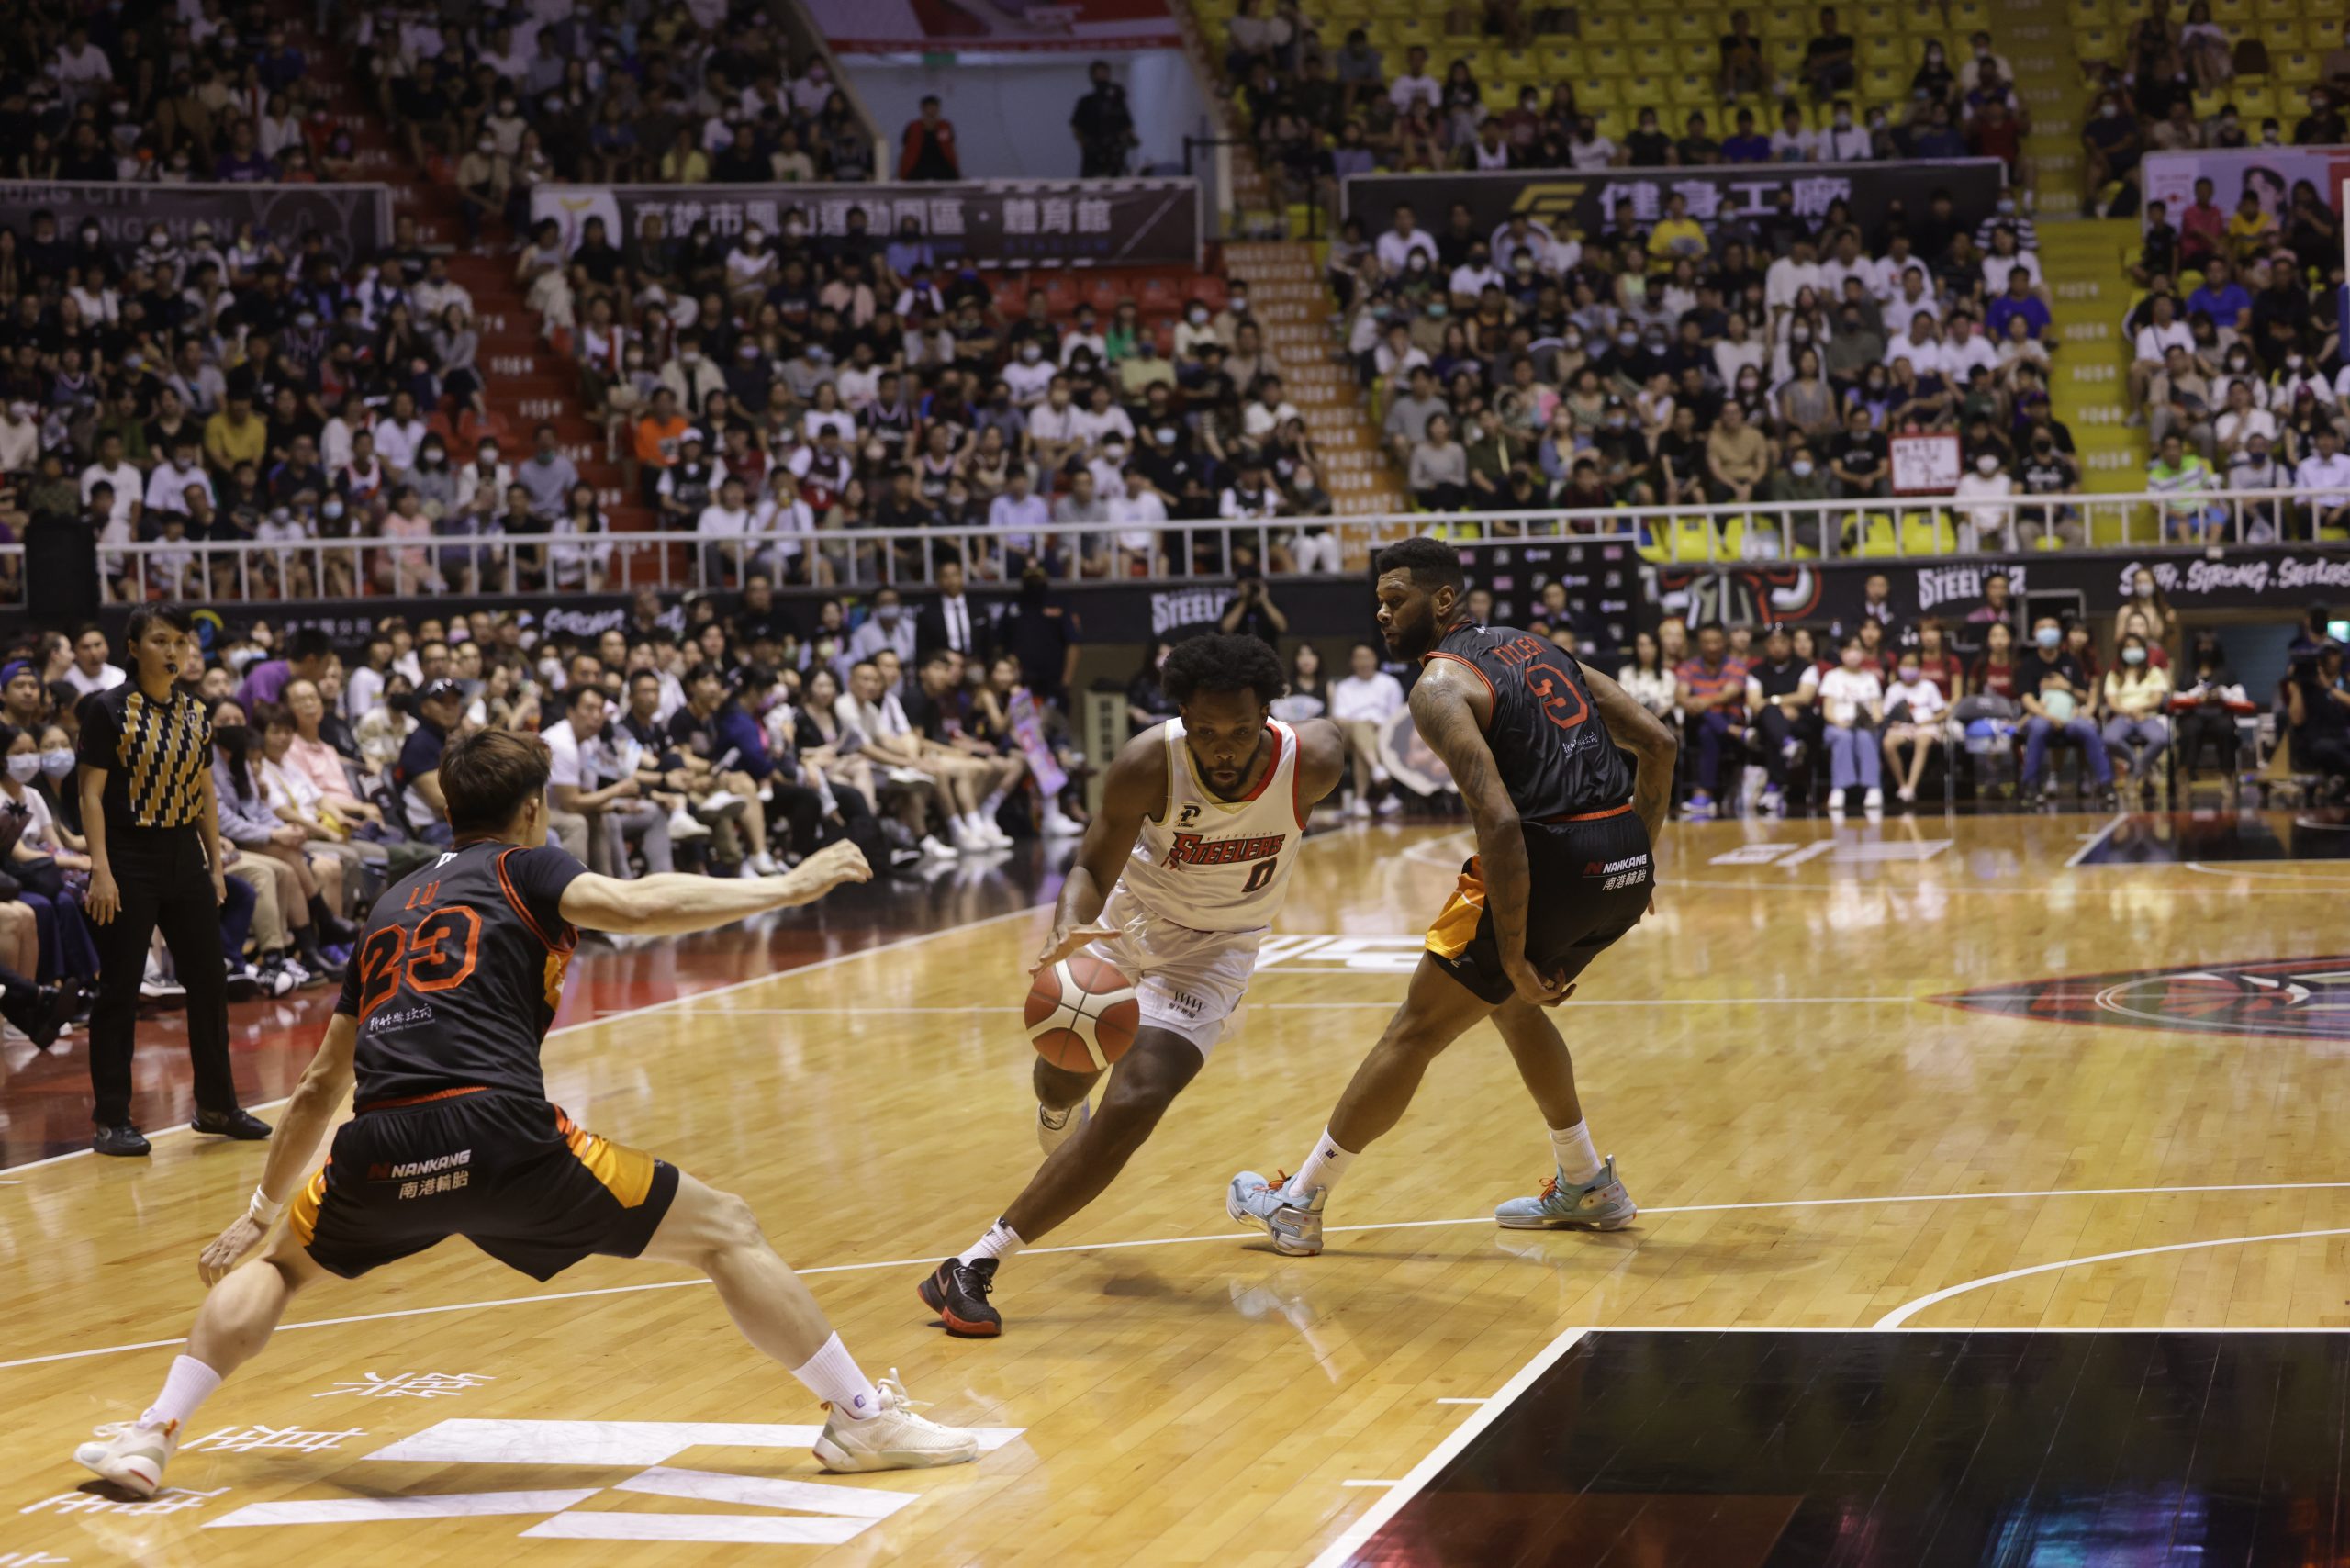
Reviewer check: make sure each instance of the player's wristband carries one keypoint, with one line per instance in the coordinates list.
(261, 1211)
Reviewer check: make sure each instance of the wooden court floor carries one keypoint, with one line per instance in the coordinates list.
(1819, 1139)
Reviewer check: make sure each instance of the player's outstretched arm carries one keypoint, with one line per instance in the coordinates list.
(293, 1145)
(673, 903)
(1134, 789)
(1649, 739)
(1452, 711)
(1321, 760)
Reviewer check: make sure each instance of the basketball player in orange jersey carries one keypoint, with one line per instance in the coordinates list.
(1565, 826)
(447, 1002)
(1160, 894)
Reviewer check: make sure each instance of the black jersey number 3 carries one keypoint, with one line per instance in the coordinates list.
(436, 956)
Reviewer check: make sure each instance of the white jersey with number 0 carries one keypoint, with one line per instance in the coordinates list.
(1210, 863)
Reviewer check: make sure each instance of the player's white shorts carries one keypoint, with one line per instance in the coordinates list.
(1188, 982)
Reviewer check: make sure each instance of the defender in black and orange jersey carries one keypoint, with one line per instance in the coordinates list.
(447, 1002)
(1565, 866)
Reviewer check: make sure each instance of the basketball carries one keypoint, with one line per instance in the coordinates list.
(1081, 1014)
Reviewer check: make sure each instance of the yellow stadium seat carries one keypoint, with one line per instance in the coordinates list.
(1693, 538)
(1615, 123)
(2098, 43)
(2232, 14)
(2277, 10)
(1645, 92)
(1888, 52)
(1785, 54)
(1652, 60)
(1967, 17)
(1690, 90)
(1883, 86)
(2207, 102)
(1877, 537)
(1412, 32)
(1784, 22)
(1921, 17)
(1645, 27)
(1862, 21)
(1696, 27)
(2090, 14)
(1607, 58)
(1600, 27)
(1597, 95)
(1517, 64)
(2279, 33)
(1928, 534)
(1701, 58)
(1563, 62)
(2297, 68)
(1499, 96)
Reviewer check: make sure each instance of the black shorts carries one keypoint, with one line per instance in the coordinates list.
(508, 1173)
(1590, 883)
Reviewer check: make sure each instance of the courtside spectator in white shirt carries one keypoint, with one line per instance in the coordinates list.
(1403, 237)
(2322, 481)
(1359, 704)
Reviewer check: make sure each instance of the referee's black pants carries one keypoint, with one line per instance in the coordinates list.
(164, 884)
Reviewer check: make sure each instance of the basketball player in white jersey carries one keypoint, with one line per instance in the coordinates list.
(1177, 881)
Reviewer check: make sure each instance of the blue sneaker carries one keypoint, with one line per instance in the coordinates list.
(1700, 807)
(1600, 1203)
(1294, 1219)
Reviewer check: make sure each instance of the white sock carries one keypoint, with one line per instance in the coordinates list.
(992, 804)
(1324, 1166)
(1000, 1241)
(189, 1383)
(1578, 1159)
(831, 1375)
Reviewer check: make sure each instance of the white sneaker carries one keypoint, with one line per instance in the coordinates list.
(1874, 801)
(967, 842)
(990, 833)
(1909, 796)
(934, 850)
(1051, 1136)
(720, 803)
(157, 986)
(894, 1438)
(1358, 807)
(1059, 824)
(684, 827)
(129, 1455)
(763, 865)
(1389, 804)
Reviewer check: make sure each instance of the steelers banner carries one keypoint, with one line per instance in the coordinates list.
(1570, 201)
(354, 220)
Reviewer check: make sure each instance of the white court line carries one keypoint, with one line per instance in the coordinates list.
(2089, 847)
(1332, 1006)
(929, 1257)
(649, 1007)
(1485, 1401)
(2253, 869)
(1902, 1314)
(1353, 1537)
(1382, 1485)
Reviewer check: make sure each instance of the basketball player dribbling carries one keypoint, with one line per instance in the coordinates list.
(449, 997)
(1565, 826)
(1175, 885)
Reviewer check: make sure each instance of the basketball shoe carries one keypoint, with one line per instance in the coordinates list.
(892, 1438)
(129, 1455)
(1294, 1219)
(1052, 1134)
(1600, 1203)
(957, 1292)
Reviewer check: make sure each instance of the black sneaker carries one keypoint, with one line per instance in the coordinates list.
(123, 1141)
(243, 1126)
(957, 1292)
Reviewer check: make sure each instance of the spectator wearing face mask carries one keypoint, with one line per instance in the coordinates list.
(1914, 710)
(2056, 697)
(2136, 703)
(1851, 706)
(1985, 527)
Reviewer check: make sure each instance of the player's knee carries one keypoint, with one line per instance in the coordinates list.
(1131, 1109)
(1058, 1088)
(732, 1223)
(1414, 1037)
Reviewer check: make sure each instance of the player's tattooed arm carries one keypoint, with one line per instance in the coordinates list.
(1649, 741)
(1445, 705)
(1133, 790)
(1321, 759)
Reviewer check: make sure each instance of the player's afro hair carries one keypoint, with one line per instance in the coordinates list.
(1218, 662)
(1432, 563)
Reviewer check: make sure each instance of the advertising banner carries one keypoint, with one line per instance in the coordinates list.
(355, 220)
(933, 27)
(2268, 173)
(1584, 202)
(995, 223)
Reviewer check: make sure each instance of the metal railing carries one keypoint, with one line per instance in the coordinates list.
(552, 566)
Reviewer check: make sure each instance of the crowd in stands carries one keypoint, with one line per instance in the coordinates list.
(1319, 113)
(504, 98)
(1677, 362)
(2172, 85)
(723, 742)
(1870, 708)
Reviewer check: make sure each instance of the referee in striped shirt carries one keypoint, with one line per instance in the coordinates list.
(154, 831)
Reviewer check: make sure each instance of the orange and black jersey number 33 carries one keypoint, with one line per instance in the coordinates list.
(440, 954)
